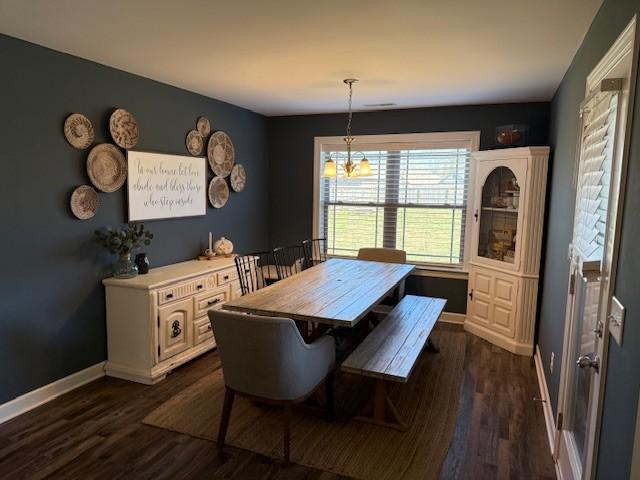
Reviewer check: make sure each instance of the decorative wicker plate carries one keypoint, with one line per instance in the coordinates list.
(238, 177)
(204, 126)
(124, 128)
(78, 131)
(194, 142)
(221, 154)
(84, 202)
(107, 167)
(218, 192)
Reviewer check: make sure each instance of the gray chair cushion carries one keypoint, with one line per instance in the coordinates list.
(267, 357)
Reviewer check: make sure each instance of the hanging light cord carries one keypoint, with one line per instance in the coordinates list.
(350, 112)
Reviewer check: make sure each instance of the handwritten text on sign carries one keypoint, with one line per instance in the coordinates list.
(165, 186)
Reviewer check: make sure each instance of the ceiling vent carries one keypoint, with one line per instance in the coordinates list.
(379, 105)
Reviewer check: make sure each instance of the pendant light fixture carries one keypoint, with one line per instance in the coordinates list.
(349, 166)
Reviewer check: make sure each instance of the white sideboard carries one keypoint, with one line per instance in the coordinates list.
(158, 321)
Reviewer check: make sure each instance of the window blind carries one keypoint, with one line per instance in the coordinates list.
(594, 174)
(415, 200)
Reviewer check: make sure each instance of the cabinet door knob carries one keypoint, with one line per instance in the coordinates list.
(200, 287)
(471, 295)
(213, 302)
(169, 295)
(226, 277)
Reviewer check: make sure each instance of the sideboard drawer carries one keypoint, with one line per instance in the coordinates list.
(185, 289)
(208, 300)
(201, 330)
(227, 276)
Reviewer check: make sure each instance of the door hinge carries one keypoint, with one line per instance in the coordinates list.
(158, 351)
(559, 421)
(158, 321)
(572, 284)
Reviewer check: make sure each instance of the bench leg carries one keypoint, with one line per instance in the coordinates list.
(384, 412)
(431, 347)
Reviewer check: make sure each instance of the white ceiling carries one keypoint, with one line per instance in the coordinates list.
(280, 57)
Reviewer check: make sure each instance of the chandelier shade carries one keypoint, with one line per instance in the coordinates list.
(349, 166)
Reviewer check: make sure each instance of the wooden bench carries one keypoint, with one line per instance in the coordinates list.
(391, 351)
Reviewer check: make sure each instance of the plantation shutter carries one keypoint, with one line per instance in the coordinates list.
(596, 156)
(415, 200)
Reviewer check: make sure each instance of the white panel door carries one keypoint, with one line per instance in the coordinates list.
(493, 300)
(480, 297)
(505, 291)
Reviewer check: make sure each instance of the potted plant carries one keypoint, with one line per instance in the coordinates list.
(123, 241)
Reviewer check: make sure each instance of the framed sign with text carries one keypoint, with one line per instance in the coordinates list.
(160, 186)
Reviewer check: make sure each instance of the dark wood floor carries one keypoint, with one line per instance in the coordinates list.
(96, 431)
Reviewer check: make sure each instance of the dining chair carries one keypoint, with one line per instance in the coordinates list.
(386, 255)
(289, 260)
(255, 271)
(315, 251)
(266, 360)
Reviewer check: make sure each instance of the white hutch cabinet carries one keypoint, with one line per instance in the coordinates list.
(158, 321)
(506, 242)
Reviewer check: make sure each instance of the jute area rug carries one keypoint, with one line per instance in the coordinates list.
(428, 403)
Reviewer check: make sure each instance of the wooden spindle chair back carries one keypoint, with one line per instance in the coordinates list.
(315, 251)
(289, 260)
(253, 271)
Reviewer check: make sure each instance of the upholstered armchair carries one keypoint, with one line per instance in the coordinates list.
(266, 359)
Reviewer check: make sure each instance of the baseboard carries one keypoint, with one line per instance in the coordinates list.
(499, 340)
(546, 403)
(451, 317)
(547, 410)
(44, 394)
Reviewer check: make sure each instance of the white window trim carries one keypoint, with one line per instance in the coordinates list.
(471, 138)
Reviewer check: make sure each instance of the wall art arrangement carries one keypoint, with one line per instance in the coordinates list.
(164, 186)
(106, 164)
(221, 156)
(160, 185)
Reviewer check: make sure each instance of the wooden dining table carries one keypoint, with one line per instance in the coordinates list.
(338, 292)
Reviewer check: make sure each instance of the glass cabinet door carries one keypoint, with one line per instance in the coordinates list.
(499, 204)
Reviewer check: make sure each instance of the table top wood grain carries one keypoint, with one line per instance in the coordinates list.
(336, 292)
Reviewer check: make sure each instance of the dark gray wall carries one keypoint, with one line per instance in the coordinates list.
(291, 162)
(53, 322)
(623, 371)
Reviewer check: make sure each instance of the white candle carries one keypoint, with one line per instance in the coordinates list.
(210, 238)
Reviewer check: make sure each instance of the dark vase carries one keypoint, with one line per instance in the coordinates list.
(142, 261)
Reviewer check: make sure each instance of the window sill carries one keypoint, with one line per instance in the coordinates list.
(429, 271)
(421, 270)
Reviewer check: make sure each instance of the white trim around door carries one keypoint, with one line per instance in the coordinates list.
(619, 67)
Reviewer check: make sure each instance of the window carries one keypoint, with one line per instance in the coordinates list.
(597, 142)
(415, 199)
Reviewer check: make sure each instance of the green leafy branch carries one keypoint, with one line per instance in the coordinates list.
(124, 239)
